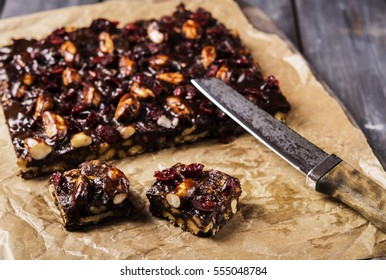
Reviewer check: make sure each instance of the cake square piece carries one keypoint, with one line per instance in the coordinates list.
(108, 92)
(93, 192)
(196, 200)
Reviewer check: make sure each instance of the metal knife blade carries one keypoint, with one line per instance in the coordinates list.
(327, 173)
(281, 139)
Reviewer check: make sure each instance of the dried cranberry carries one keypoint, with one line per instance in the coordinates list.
(168, 21)
(57, 70)
(204, 203)
(255, 92)
(57, 36)
(144, 80)
(59, 32)
(271, 81)
(101, 24)
(216, 30)
(208, 107)
(108, 133)
(156, 48)
(225, 48)
(105, 60)
(186, 91)
(166, 174)
(226, 139)
(197, 70)
(73, 126)
(192, 170)
(243, 61)
(212, 70)
(230, 186)
(202, 17)
(78, 109)
(56, 178)
(131, 28)
(92, 119)
(65, 108)
(154, 111)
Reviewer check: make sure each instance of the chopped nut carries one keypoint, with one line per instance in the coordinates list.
(126, 131)
(154, 34)
(177, 105)
(223, 73)
(141, 92)
(172, 77)
(186, 188)
(235, 33)
(181, 193)
(128, 108)
(234, 206)
(54, 125)
(158, 60)
(28, 79)
(80, 139)
(91, 96)
(173, 200)
(43, 103)
(18, 90)
(106, 44)
(126, 66)
(164, 121)
(280, 116)
(119, 198)
(191, 29)
(70, 28)
(68, 51)
(71, 76)
(208, 55)
(37, 148)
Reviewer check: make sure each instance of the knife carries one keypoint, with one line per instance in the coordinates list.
(328, 174)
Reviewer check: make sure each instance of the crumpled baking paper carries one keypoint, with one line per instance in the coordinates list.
(281, 216)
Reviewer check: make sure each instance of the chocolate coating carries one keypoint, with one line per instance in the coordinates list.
(100, 79)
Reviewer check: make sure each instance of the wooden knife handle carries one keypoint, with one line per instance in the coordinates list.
(348, 185)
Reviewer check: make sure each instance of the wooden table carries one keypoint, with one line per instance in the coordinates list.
(343, 40)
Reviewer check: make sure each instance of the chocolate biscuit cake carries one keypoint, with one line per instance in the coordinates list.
(197, 200)
(109, 92)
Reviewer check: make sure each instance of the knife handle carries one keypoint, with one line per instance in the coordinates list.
(357, 191)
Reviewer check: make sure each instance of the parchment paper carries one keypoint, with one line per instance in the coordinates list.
(281, 217)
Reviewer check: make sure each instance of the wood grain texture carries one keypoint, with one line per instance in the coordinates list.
(16, 7)
(345, 42)
(280, 11)
(357, 191)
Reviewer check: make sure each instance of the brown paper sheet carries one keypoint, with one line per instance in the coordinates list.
(281, 217)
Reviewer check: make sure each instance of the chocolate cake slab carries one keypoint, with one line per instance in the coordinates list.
(109, 92)
(198, 201)
(92, 193)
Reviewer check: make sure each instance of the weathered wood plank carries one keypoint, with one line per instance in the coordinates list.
(280, 11)
(16, 7)
(345, 42)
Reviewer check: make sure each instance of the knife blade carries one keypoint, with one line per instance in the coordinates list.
(327, 173)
